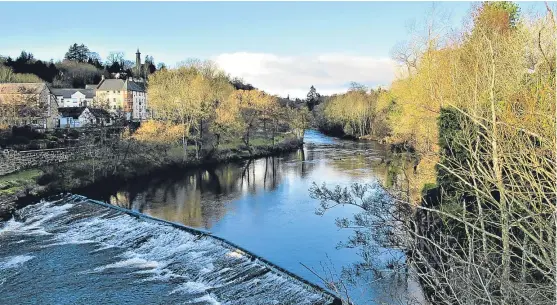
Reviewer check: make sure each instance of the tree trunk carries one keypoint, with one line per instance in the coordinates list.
(197, 149)
(477, 158)
(273, 134)
(498, 176)
(184, 146)
(247, 136)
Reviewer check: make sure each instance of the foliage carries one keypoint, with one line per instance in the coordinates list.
(200, 97)
(248, 107)
(8, 76)
(188, 96)
(26, 64)
(75, 74)
(78, 53)
(497, 16)
(158, 132)
(355, 111)
(227, 121)
(299, 120)
(312, 98)
(240, 84)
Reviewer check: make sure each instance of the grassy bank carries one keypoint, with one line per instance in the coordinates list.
(131, 161)
(17, 185)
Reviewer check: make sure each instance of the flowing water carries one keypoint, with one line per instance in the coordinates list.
(74, 252)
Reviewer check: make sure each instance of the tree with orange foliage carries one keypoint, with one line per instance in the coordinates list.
(160, 133)
(247, 108)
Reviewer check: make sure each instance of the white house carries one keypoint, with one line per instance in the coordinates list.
(74, 97)
(75, 117)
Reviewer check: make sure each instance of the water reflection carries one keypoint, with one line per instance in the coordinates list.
(200, 197)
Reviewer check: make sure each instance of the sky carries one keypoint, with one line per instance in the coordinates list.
(280, 47)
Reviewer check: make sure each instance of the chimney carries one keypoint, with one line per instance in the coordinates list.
(102, 77)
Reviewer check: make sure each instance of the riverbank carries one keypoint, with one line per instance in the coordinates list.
(339, 133)
(24, 187)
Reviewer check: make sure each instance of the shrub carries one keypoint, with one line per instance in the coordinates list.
(34, 144)
(19, 140)
(73, 133)
(28, 132)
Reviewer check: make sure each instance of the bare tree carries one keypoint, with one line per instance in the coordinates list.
(486, 234)
(115, 57)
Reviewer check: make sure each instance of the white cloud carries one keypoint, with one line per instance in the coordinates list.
(293, 75)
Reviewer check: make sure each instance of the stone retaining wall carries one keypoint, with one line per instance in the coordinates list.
(13, 160)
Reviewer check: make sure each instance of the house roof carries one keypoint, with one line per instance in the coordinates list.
(73, 112)
(120, 84)
(134, 86)
(22, 88)
(111, 85)
(67, 93)
(100, 113)
(21, 93)
(91, 86)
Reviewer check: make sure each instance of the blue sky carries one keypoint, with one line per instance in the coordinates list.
(263, 42)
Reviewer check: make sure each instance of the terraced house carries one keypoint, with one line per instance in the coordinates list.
(124, 98)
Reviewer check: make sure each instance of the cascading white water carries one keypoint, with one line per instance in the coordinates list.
(74, 251)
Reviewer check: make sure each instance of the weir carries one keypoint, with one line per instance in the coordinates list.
(233, 247)
(207, 268)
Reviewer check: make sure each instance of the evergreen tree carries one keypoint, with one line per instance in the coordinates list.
(115, 67)
(79, 53)
(72, 52)
(312, 98)
(24, 58)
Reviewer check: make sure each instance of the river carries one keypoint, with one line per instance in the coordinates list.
(262, 205)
